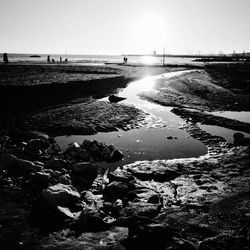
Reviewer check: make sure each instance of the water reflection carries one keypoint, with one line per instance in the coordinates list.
(149, 142)
(243, 116)
(149, 60)
(226, 133)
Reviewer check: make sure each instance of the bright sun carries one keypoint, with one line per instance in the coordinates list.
(149, 33)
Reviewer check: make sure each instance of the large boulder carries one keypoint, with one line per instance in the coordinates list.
(60, 195)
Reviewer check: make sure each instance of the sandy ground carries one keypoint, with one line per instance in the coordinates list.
(204, 202)
(209, 89)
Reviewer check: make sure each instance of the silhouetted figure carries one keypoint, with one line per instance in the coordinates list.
(60, 59)
(48, 59)
(53, 60)
(66, 60)
(5, 58)
(125, 59)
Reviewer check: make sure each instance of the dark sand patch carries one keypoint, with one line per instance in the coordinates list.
(87, 118)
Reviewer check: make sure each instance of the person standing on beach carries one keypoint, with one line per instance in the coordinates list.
(60, 59)
(48, 58)
(5, 58)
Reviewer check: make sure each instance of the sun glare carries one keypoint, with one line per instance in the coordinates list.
(149, 32)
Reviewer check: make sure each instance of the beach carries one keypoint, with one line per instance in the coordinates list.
(63, 197)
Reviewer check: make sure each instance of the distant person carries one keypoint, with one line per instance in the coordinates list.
(48, 59)
(66, 60)
(5, 58)
(53, 60)
(60, 59)
(125, 59)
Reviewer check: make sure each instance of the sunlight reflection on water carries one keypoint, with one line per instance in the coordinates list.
(149, 142)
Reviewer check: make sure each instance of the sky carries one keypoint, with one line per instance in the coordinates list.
(112, 27)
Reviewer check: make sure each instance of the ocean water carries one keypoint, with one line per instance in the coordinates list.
(100, 59)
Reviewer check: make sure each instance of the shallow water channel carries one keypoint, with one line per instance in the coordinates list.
(160, 138)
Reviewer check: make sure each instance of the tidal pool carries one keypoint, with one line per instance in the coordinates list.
(226, 133)
(162, 138)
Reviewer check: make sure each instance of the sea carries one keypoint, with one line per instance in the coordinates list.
(101, 59)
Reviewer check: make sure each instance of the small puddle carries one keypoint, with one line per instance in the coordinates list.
(149, 142)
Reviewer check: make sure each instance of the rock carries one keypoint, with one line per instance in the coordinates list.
(160, 171)
(60, 195)
(56, 164)
(141, 209)
(117, 155)
(56, 174)
(38, 135)
(115, 99)
(84, 155)
(8, 161)
(110, 239)
(154, 199)
(105, 153)
(117, 205)
(65, 179)
(170, 137)
(86, 144)
(36, 144)
(120, 175)
(149, 236)
(38, 181)
(111, 147)
(28, 166)
(184, 244)
(86, 170)
(66, 212)
(91, 198)
(54, 149)
(41, 178)
(90, 220)
(84, 174)
(116, 189)
(222, 241)
(80, 182)
(73, 149)
(241, 140)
